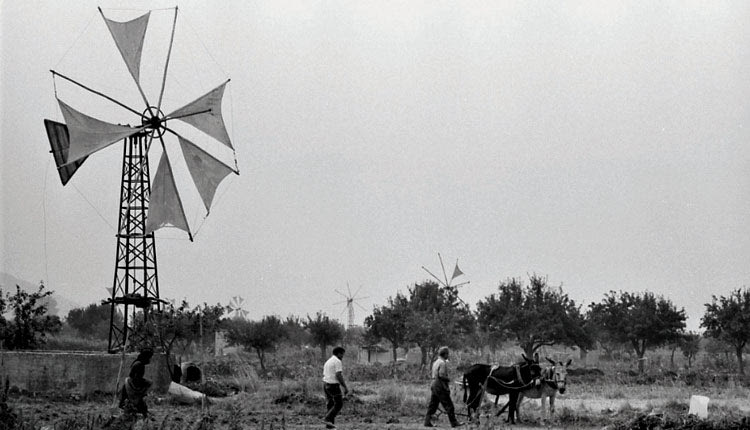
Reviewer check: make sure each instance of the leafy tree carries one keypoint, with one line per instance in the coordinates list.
(295, 331)
(716, 348)
(642, 320)
(4, 327)
(324, 331)
(93, 321)
(30, 322)
(534, 316)
(389, 322)
(728, 319)
(355, 335)
(690, 344)
(176, 328)
(437, 317)
(262, 336)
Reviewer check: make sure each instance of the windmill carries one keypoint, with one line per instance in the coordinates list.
(445, 282)
(145, 205)
(350, 300)
(236, 308)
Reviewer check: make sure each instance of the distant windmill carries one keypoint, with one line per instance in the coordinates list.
(350, 300)
(236, 309)
(445, 281)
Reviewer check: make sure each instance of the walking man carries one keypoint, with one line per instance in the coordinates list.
(333, 382)
(440, 390)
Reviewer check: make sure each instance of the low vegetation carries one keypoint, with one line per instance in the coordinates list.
(613, 396)
(629, 375)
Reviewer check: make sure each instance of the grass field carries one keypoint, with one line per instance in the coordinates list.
(290, 396)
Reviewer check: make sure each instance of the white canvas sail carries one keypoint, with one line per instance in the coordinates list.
(129, 38)
(207, 172)
(165, 208)
(210, 120)
(88, 134)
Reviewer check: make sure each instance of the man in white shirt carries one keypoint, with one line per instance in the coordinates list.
(333, 382)
(440, 391)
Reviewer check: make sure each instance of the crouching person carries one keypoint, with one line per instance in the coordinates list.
(133, 393)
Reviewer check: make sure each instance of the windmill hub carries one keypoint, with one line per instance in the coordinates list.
(154, 119)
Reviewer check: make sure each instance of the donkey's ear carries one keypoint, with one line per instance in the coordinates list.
(570, 360)
(550, 360)
(536, 357)
(524, 357)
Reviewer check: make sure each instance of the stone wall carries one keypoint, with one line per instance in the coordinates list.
(75, 372)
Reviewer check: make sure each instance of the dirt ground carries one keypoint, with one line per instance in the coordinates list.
(277, 406)
(246, 412)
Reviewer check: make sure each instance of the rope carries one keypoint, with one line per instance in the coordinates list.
(138, 10)
(205, 48)
(215, 204)
(75, 42)
(122, 359)
(94, 207)
(44, 215)
(231, 116)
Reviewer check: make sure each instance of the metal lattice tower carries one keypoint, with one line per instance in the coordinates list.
(135, 283)
(350, 300)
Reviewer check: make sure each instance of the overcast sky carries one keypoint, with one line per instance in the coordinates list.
(602, 144)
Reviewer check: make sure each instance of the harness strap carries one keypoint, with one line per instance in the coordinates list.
(484, 386)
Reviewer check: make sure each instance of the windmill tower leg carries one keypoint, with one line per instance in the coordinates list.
(350, 322)
(135, 282)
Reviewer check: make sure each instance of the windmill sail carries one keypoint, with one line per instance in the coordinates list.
(209, 120)
(207, 172)
(88, 134)
(59, 141)
(456, 272)
(129, 38)
(165, 207)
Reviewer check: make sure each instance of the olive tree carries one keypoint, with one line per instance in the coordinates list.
(642, 320)
(728, 319)
(535, 315)
(436, 317)
(389, 322)
(690, 345)
(324, 331)
(261, 336)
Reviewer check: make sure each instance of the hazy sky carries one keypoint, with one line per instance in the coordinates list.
(602, 144)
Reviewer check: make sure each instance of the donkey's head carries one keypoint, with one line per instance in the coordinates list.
(530, 369)
(559, 374)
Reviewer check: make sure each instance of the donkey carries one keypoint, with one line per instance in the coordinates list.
(554, 380)
(497, 380)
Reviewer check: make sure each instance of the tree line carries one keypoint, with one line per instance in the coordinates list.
(529, 314)
(534, 314)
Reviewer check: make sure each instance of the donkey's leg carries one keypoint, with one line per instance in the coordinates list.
(518, 406)
(505, 406)
(551, 405)
(513, 399)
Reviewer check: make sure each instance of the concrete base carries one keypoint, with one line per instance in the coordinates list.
(75, 372)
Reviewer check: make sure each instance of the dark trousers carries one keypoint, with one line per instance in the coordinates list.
(440, 394)
(334, 401)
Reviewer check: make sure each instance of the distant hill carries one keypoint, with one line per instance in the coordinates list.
(57, 305)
